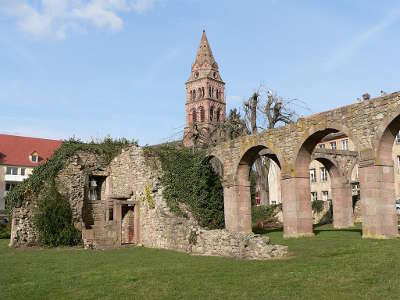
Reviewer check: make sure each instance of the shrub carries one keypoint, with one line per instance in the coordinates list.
(5, 231)
(317, 206)
(262, 213)
(53, 220)
(188, 178)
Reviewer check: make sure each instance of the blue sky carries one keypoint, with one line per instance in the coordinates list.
(91, 68)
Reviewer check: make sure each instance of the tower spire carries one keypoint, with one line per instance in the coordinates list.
(204, 54)
(205, 96)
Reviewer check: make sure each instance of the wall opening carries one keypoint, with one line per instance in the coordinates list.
(255, 184)
(128, 224)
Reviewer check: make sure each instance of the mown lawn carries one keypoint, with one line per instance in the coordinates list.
(331, 265)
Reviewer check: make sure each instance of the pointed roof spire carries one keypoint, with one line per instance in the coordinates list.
(204, 53)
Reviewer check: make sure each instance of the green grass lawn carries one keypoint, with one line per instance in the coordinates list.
(331, 265)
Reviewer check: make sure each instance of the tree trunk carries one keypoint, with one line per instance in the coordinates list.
(262, 185)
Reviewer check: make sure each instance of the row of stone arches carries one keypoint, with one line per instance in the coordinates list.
(376, 184)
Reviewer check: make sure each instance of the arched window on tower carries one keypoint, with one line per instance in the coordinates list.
(199, 90)
(218, 114)
(212, 92)
(194, 94)
(209, 91)
(217, 94)
(191, 95)
(202, 114)
(211, 113)
(194, 116)
(202, 92)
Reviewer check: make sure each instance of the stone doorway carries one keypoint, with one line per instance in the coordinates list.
(128, 224)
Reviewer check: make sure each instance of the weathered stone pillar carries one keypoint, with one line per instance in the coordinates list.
(230, 206)
(342, 202)
(296, 207)
(237, 206)
(378, 203)
(244, 205)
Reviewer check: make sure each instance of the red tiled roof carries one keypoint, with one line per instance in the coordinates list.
(15, 150)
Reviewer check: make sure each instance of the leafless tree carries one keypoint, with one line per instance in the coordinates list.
(272, 111)
(264, 107)
(208, 136)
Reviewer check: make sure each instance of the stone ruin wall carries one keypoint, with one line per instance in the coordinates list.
(130, 175)
(160, 228)
(70, 182)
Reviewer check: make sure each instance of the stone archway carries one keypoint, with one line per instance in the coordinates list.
(216, 164)
(378, 202)
(237, 194)
(341, 193)
(296, 189)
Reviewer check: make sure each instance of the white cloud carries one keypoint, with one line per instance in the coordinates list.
(56, 18)
(347, 51)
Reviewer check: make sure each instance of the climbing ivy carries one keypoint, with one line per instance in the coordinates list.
(147, 196)
(47, 172)
(188, 178)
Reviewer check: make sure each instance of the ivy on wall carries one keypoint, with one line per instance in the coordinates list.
(188, 178)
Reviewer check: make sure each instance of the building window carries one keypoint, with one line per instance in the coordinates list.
(34, 157)
(218, 114)
(325, 195)
(273, 202)
(345, 144)
(95, 187)
(202, 114)
(211, 113)
(12, 171)
(23, 171)
(209, 92)
(10, 186)
(355, 189)
(194, 116)
(314, 196)
(398, 138)
(398, 164)
(333, 145)
(324, 174)
(110, 214)
(322, 146)
(217, 94)
(313, 175)
(202, 92)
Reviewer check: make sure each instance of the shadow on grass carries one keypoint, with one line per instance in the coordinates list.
(316, 228)
(328, 228)
(257, 230)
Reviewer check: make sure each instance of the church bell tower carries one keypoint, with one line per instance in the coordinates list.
(205, 95)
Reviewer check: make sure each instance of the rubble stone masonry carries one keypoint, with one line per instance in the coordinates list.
(132, 184)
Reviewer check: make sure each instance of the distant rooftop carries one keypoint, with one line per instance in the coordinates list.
(18, 150)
